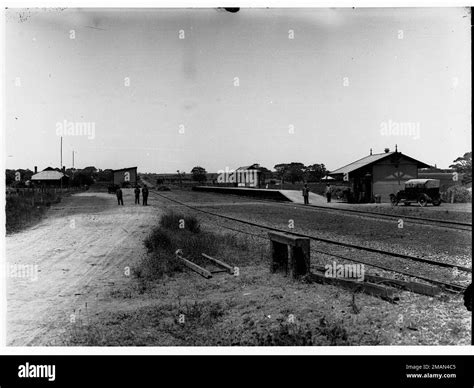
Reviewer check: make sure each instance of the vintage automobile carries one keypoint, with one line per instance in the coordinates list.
(421, 191)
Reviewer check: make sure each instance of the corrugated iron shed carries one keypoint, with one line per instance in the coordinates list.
(50, 175)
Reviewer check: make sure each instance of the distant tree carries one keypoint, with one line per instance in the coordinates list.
(105, 175)
(82, 178)
(91, 171)
(9, 177)
(26, 174)
(280, 170)
(199, 174)
(315, 172)
(266, 173)
(463, 165)
(295, 172)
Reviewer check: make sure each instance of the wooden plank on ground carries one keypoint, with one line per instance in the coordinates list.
(220, 263)
(196, 268)
(388, 294)
(419, 288)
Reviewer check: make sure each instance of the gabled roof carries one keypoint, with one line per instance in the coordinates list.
(124, 169)
(49, 175)
(254, 166)
(368, 160)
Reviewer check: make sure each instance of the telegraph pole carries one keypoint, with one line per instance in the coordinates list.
(61, 166)
(73, 169)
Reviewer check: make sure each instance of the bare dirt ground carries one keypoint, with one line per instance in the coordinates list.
(81, 249)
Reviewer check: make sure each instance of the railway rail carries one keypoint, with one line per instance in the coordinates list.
(457, 225)
(423, 221)
(448, 286)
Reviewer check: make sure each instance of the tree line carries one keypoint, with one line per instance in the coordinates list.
(77, 177)
(297, 172)
(286, 172)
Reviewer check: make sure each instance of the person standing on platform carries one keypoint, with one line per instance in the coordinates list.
(306, 194)
(119, 195)
(137, 195)
(145, 195)
(328, 192)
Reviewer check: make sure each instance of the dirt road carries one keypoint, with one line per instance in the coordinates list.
(79, 252)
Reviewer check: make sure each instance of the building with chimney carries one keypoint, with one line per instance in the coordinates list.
(378, 175)
(49, 177)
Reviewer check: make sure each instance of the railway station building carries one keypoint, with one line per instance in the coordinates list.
(376, 176)
(249, 176)
(124, 175)
(49, 177)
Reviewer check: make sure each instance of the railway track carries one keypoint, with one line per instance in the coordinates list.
(448, 286)
(465, 226)
(422, 221)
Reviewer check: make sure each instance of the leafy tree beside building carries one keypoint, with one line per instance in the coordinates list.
(463, 165)
(199, 174)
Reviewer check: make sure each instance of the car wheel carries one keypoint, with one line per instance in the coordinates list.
(436, 202)
(393, 200)
(422, 201)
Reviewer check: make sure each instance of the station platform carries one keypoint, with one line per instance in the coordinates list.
(294, 196)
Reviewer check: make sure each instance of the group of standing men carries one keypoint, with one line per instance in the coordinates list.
(119, 195)
(306, 193)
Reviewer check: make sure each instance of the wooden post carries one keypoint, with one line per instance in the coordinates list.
(297, 261)
(300, 261)
(279, 257)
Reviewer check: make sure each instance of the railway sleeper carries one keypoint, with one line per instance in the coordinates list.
(419, 288)
(386, 293)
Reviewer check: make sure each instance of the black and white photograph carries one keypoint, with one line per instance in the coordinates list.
(237, 177)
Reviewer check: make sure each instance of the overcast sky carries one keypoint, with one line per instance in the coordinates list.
(215, 89)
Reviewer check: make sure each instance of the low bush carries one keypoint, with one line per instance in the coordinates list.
(177, 221)
(175, 231)
(26, 209)
(461, 194)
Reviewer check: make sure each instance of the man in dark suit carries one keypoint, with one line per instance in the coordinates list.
(328, 192)
(145, 195)
(306, 194)
(137, 195)
(119, 195)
